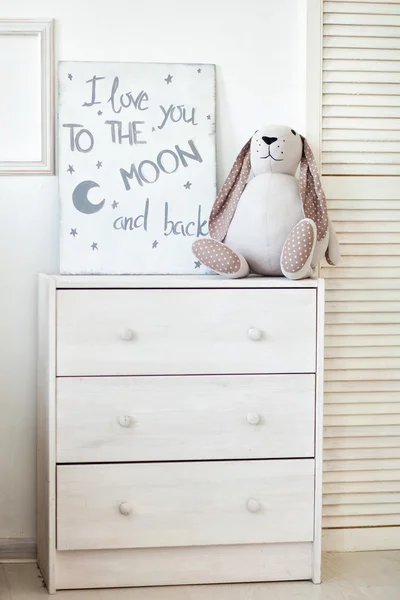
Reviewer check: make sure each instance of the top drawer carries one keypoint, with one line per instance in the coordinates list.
(172, 331)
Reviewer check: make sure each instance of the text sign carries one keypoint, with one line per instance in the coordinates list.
(136, 166)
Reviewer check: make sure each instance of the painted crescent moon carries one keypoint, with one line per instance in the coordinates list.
(81, 201)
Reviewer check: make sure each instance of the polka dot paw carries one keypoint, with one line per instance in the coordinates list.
(220, 258)
(298, 250)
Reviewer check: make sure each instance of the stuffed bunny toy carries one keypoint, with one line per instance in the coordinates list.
(266, 221)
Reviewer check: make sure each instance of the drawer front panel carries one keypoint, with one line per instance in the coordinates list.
(117, 419)
(143, 332)
(184, 504)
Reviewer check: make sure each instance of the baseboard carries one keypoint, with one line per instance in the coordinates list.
(361, 539)
(17, 549)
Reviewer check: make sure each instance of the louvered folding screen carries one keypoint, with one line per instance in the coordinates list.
(361, 137)
(361, 86)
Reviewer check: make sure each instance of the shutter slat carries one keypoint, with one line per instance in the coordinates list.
(362, 112)
(363, 330)
(362, 341)
(370, 250)
(383, 508)
(362, 146)
(384, 403)
(382, 124)
(356, 65)
(365, 295)
(362, 481)
(349, 169)
(362, 204)
(360, 466)
(366, 215)
(362, 498)
(360, 88)
(360, 99)
(340, 6)
(361, 31)
(361, 53)
(369, 20)
(350, 448)
(367, 386)
(379, 43)
(379, 520)
(362, 351)
(362, 317)
(359, 420)
(364, 306)
(360, 135)
(374, 239)
(354, 226)
(362, 284)
(365, 158)
(366, 374)
(347, 436)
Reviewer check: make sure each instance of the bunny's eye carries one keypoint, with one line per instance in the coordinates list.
(293, 131)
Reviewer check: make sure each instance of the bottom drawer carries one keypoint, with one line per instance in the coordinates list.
(184, 566)
(184, 504)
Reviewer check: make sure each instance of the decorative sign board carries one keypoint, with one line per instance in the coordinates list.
(137, 174)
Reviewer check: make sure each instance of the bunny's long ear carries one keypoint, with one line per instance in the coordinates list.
(229, 196)
(311, 192)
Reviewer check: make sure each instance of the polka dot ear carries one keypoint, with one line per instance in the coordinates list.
(228, 198)
(311, 192)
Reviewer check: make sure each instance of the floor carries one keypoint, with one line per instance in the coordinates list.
(347, 576)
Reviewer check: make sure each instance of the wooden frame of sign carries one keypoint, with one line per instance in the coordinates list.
(137, 171)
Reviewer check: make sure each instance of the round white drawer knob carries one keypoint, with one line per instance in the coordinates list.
(255, 334)
(125, 508)
(253, 418)
(127, 334)
(253, 505)
(125, 421)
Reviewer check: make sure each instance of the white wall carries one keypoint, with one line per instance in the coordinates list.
(259, 49)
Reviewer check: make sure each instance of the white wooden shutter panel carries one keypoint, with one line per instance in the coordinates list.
(361, 139)
(361, 88)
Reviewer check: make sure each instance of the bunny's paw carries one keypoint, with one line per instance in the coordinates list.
(298, 251)
(220, 258)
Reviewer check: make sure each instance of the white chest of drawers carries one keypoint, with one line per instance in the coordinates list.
(179, 430)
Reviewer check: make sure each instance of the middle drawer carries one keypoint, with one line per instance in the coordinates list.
(133, 419)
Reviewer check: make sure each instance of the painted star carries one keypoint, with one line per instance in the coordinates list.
(94, 246)
(168, 79)
(199, 70)
(71, 169)
(99, 112)
(73, 232)
(187, 185)
(197, 264)
(114, 204)
(99, 164)
(209, 117)
(155, 244)
(70, 76)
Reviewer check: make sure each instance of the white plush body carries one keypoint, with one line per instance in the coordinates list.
(268, 210)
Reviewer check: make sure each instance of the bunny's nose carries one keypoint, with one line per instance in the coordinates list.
(269, 140)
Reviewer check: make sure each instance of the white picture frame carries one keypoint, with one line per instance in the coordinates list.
(17, 39)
